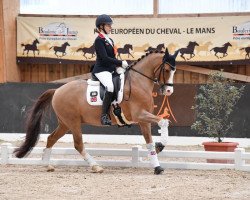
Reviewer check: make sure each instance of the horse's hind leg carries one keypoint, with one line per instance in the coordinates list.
(216, 55)
(79, 146)
(84, 56)
(183, 57)
(52, 139)
(56, 135)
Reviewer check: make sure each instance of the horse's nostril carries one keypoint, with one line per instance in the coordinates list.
(168, 91)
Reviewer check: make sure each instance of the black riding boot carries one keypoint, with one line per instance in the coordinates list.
(105, 108)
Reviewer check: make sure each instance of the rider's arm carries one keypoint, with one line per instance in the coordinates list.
(100, 48)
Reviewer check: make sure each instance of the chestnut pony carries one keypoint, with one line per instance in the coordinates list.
(72, 109)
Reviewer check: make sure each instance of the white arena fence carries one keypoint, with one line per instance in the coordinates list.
(136, 155)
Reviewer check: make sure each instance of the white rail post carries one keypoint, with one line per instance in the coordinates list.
(135, 156)
(239, 162)
(5, 153)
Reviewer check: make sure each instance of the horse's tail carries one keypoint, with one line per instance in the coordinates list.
(34, 123)
(243, 48)
(79, 49)
(212, 49)
(51, 47)
(22, 45)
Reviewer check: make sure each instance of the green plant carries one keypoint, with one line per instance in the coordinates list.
(214, 104)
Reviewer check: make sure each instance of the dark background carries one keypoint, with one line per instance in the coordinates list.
(17, 98)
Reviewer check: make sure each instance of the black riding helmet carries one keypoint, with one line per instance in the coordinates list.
(103, 19)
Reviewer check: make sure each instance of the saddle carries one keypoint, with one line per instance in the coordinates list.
(95, 94)
(95, 90)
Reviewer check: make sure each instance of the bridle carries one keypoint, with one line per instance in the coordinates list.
(161, 68)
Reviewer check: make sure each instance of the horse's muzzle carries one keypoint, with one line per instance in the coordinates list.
(166, 90)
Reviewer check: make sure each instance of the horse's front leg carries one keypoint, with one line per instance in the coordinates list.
(131, 55)
(152, 154)
(145, 119)
(84, 56)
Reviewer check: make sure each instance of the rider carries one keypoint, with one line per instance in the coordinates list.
(106, 62)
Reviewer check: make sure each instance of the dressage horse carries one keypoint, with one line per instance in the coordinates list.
(72, 109)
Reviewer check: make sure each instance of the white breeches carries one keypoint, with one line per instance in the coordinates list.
(106, 79)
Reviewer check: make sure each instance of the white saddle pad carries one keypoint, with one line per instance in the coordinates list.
(93, 92)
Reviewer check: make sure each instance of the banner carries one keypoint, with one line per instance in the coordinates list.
(201, 40)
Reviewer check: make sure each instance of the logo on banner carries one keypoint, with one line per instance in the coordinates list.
(57, 29)
(241, 31)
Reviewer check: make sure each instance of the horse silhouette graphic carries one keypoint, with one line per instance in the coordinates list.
(203, 48)
(61, 49)
(89, 50)
(247, 50)
(44, 47)
(158, 48)
(125, 50)
(222, 50)
(31, 47)
(73, 50)
(188, 50)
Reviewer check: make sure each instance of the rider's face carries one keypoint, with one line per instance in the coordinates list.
(108, 28)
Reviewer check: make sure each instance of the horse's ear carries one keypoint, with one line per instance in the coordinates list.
(176, 53)
(166, 53)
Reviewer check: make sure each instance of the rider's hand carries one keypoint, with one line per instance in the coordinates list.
(124, 64)
(120, 70)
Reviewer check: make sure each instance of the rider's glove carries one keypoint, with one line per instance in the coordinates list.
(124, 64)
(120, 70)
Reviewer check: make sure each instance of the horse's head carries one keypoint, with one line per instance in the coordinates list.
(161, 46)
(157, 68)
(36, 41)
(192, 44)
(169, 63)
(66, 44)
(128, 46)
(228, 44)
(195, 44)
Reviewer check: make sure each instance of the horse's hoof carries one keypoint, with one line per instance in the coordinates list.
(97, 169)
(50, 168)
(159, 147)
(158, 170)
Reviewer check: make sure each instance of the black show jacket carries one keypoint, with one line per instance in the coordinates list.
(105, 60)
